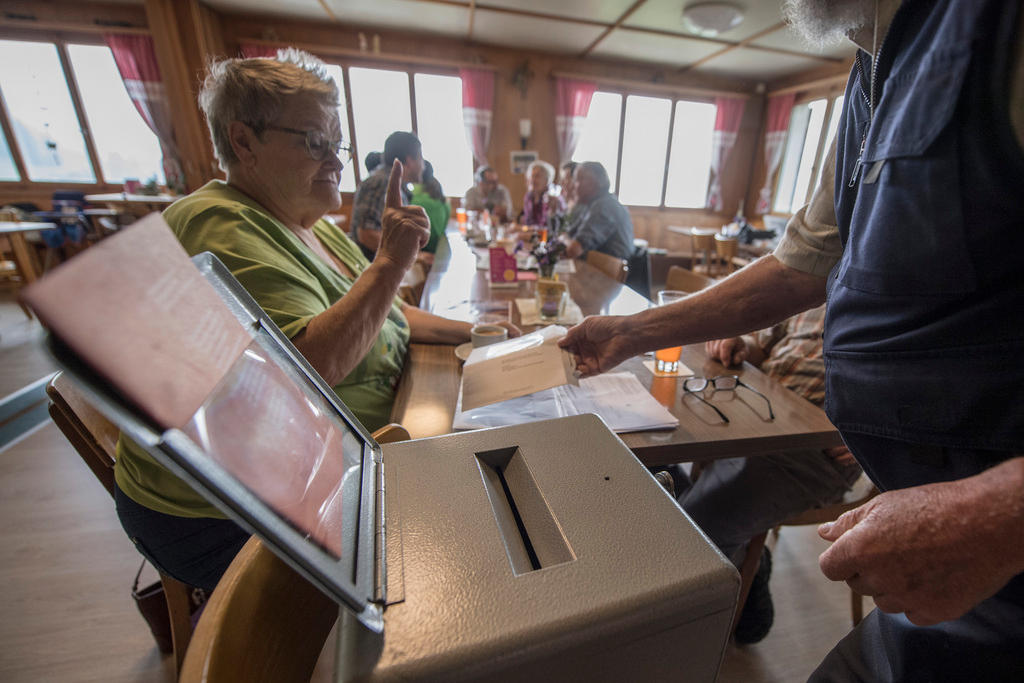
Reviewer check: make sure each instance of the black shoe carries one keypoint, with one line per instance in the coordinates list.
(758, 612)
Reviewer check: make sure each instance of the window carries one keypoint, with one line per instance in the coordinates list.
(689, 168)
(442, 132)
(805, 151)
(645, 132)
(42, 114)
(644, 141)
(47, 122)
(380, 106)
(348, 174)
(126, 147)
(600, 139)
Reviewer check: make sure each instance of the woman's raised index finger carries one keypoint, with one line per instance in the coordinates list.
(393, 199)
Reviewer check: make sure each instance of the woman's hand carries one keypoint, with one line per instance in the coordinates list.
(404, 229)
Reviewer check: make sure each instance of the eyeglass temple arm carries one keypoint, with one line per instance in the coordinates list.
(771, 413)
(709, 404)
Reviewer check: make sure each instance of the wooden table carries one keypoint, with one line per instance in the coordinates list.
(24, 259)
(425, 403)
(138, 204)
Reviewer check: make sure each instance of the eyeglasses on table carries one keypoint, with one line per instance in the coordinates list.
(697, 385)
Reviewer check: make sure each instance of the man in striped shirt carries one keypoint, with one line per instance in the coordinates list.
(735, 499)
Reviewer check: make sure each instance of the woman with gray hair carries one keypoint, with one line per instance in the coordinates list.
(540, 203)
(276, 132)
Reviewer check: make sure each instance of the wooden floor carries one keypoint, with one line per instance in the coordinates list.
(66, 569)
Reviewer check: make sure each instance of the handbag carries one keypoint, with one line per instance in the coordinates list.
(153, 606)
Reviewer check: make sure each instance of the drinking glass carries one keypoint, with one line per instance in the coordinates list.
(666, 361)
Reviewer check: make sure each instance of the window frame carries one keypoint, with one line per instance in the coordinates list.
(410, 71)
(61, 39)
(830, 95)
(625, 92)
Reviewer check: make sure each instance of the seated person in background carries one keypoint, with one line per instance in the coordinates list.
(735, 499)
(429, 194)
(276, 133)
(538, 202)
(600, 222)
(372, 161)
(568, 183)
(489, 195)
(369, 200)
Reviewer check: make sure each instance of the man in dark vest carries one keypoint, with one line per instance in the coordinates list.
(914, 237)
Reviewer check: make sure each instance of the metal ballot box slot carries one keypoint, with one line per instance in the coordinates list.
(541, 551)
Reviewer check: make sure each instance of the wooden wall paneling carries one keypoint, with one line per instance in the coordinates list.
(72, 15)
(179, 74)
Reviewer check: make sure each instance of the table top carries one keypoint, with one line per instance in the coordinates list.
(24, 226)
(122, 197)
(425, 402)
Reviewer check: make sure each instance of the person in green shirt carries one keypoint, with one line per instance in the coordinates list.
(429, 194)
(276, 133)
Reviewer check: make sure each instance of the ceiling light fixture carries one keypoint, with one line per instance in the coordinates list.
(711, 18)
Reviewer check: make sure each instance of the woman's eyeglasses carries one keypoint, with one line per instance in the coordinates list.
(697, 385)
(317, 144)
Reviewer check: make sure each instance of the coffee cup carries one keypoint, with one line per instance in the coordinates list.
(483, 335)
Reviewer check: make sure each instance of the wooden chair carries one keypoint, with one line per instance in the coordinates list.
(264, 622)
(10, 268)
(615, 268)
(684, 280)
(726, 249)
(702, 241)
(95, 439)
(855, 497)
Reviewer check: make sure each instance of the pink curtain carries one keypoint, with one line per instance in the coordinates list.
(572, 102)
(779, 109)
(250, 50)
(729, 112)
(478, 109)
(136, 62)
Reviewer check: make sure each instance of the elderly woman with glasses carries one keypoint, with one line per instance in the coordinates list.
(276, 133)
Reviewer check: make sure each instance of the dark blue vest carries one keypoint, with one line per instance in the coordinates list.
(924, 337)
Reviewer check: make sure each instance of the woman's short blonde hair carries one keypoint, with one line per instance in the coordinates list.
(548, 168)
(253, 91)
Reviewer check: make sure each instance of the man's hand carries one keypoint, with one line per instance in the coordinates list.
(731, 351)
(597, 344)
(932, 551)
(404, 229)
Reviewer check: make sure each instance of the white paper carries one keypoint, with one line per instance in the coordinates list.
(617, 397)
(517, 367)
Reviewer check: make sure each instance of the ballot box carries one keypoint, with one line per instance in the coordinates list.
(535, 552)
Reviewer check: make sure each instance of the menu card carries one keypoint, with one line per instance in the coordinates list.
(137, 311)
(503, 267)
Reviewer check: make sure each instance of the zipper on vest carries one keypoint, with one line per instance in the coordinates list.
(870, 99)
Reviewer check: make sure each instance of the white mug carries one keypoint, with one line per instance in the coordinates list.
(482, 335)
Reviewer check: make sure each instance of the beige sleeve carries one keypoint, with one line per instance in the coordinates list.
(811, 243)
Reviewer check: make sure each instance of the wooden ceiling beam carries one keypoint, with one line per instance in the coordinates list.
(618, 22)
(743, 43)
(472, 13)
(328, 10)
